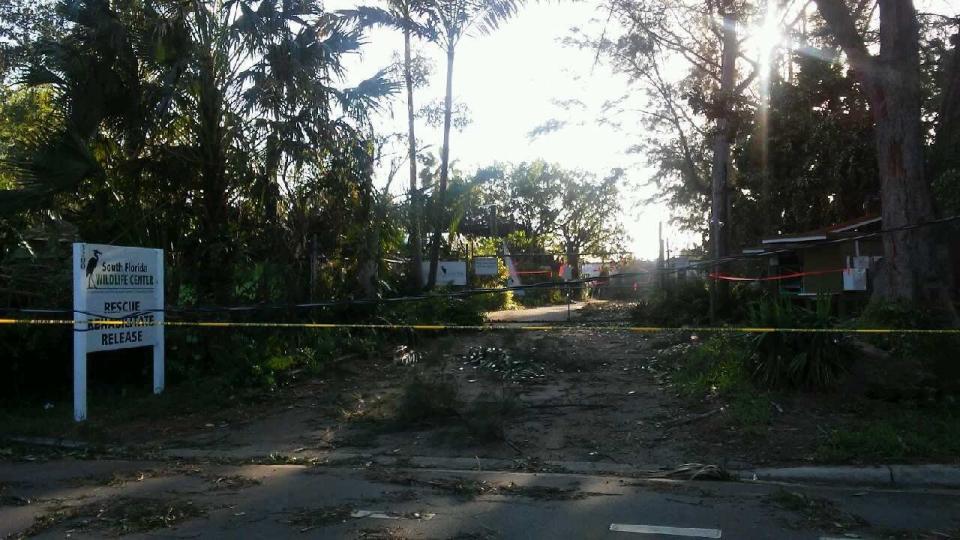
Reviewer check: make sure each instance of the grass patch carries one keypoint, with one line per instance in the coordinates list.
(119, 515)
(901, 435)
(106, 411)
(751, 412)
(717, 368)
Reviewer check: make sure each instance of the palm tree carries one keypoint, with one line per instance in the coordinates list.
(453, 19)
(292, 92)
(405, 15)
(210, 99)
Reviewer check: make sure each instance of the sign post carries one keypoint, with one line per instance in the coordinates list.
(118, 304)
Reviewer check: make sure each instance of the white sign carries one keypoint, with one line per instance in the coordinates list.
(121, 290)
(589, 270)
(486, 266)
(855, 279)
(448, 272)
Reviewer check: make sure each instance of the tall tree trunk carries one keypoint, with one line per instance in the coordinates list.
(214, 256)
(722, 142)
(416, 249)
(368, 274)
(947, 149)
(914, 269)
(368, 259)
(440, 199)
(271, 168)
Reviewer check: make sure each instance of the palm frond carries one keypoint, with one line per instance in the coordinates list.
(369, 16)
(491, 14)
(367, 96)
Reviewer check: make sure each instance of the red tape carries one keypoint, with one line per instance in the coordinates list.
(727, 277)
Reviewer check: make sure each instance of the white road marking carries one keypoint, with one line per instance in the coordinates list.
(380, 514)
(670, 531)
(374, 514)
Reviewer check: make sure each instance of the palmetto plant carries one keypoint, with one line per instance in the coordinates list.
(194, 120)
(290, 90)
(799, 360)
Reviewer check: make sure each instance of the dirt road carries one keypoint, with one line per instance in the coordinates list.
(494, 434)
(557, 313)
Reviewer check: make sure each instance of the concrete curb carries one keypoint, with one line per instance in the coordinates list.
(890, 476)
(340, 458)
(913, 476)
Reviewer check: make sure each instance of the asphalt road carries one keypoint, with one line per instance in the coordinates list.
(296, 501)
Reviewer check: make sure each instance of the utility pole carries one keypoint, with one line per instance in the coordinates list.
(313, 267)
(660, 261)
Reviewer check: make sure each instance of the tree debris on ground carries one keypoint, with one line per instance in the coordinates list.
(507, 366)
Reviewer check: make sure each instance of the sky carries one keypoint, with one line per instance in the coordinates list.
(510, 80)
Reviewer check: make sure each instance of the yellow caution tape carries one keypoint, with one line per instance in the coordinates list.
(453, 327)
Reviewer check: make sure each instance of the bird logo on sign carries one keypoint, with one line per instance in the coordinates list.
(90, 265)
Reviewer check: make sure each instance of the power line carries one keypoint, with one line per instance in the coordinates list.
(545, 285)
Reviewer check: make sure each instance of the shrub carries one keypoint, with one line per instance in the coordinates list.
(715, 367)
(934, 353)
(718, 367)
(496, 301)
(427, 399)
(437, 309)
(903, 433)
(681, 304)
(798, 360)
(537, 297)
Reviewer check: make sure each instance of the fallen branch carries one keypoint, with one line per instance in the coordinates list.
(696, 471)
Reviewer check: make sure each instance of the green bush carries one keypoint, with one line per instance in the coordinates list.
(717, 366)
(686, 303)
(903, 433)
(496, 301)
(796, 360)
(260, 358)
(37, 360)
(438, 309)
(934, 353)
(537, 297)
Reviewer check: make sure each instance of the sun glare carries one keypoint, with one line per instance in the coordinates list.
(767, 36)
